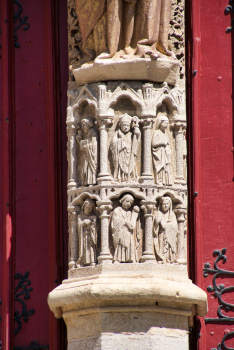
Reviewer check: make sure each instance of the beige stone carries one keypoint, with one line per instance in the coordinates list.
(160, 70)
(122, 306)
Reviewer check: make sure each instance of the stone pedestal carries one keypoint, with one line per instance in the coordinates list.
(127, 285)
(128, 306)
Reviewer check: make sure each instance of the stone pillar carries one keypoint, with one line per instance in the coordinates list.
(104, 208)
(181, 216)
(73, 237)
(147, 157)
(179, 129)
(148, 208)
(73, 155)
(104, 174)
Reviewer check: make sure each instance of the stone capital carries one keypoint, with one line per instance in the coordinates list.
(180, 213)
(178, 126)
(147, 207)
(104, 208)
(105, 123)
(71, 129)
(147, 123)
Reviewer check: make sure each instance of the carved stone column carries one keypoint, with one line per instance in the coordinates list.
(104, 208)
(147, 158)
(73, 237)
(181, 216)
(104, 126)
(179, 129)
(73, 155)
(148, 208)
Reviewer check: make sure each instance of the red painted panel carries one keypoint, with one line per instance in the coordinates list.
(211, 159)
(8, 171)
(37, 186)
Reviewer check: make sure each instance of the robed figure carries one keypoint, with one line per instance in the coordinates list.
(123, 226)
(124, 149)
(161, 152)
(165, 232)
(87, 234)
(89, 146)
(130, 26)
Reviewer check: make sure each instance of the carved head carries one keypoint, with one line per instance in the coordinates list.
(88, 206)
(165, 204)
(87, 123)
(125, 123)
(162, 122)
(127, 201)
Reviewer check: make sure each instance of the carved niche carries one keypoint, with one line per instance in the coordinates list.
(126, 156)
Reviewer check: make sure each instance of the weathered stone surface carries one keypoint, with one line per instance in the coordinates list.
(160, 70)
(127, 285)
(122, 305)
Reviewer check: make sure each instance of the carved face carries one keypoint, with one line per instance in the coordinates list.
(127, 203)
(165, 205)
(164, 125)
(88, 208)
(125, 126)
(85, 127)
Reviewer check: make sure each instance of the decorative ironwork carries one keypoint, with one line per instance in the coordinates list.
(33, 346)
(219, 290)
(19, 22)
(228, 10)
(22, 290)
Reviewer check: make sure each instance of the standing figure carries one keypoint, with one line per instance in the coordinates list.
(165, 231)
(87, 234)
(123, 225)
(137, 27)
(124, 148)
(161, 151)
(89, 145)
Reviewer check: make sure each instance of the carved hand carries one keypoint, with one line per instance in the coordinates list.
(136, 209)
(136, 131)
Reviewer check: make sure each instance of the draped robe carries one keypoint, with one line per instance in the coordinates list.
(113, 25)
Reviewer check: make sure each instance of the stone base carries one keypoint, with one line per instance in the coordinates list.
(128, 328)
(160, 70)
(128, 306)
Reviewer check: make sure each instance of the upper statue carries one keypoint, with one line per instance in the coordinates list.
(123, 28)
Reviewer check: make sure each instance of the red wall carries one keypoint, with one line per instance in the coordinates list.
(210, 113)
(34, 149)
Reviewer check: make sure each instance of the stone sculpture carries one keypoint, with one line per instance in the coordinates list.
(131, 27)
(89, 145)
(123, 225)
(87, 234)
(124, 148)
(161, 152)
(165, 231)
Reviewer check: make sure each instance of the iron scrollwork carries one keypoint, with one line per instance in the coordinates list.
(19, 22)
(219, 290)
(22, 290)
(228, 10)
(33, 346)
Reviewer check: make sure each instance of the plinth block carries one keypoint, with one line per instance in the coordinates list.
(128, 306)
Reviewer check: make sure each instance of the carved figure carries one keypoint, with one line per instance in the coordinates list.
(89, 145)
(131, 26)
(165, 231)
(161, 152)
(124, 148)
(87, 234)
(123, 224)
